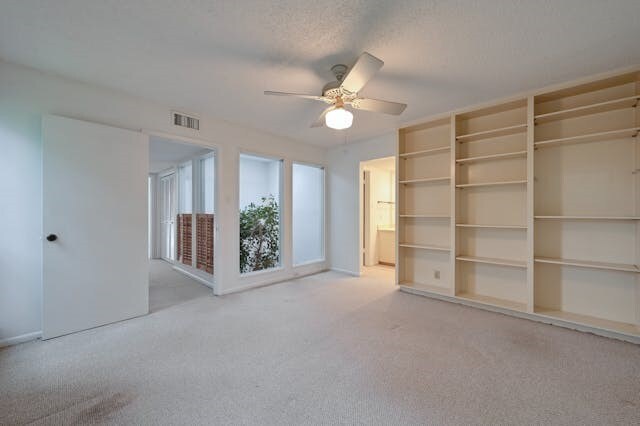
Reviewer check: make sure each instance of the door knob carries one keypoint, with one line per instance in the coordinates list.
(52, 237)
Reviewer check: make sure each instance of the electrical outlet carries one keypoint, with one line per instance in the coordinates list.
(436, 274)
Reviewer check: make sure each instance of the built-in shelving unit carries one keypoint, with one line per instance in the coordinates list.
(586, 254)
(491, 182)
(530, 206)
(424, 219)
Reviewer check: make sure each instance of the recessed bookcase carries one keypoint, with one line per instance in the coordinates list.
(529, 206)
(423, 227)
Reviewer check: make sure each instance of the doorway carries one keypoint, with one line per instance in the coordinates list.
(378, 214)
(182, 212)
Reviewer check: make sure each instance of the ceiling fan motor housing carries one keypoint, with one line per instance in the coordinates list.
(332, 89)
(339, 71)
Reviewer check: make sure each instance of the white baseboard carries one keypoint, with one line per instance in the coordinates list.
(192, 275)
(20, 339)
(344, 271)
(269, 282)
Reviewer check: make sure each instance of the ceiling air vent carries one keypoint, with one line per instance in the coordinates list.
(183, 120)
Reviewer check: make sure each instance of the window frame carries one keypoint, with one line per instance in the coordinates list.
(323, 221)
(281, 213)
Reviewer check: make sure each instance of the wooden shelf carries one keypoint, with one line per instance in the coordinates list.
(494, 301)
(591, 137)
(589, 321)
(493, 133)
(506, 155)
(493, 261)
(595, 108)
(427, 287)
(477, 225)
(424, 247)
(489, 208)
(424, 152)
(474, 185)
(425, 216)
(589, 217)
(589, 264)
(425, 180)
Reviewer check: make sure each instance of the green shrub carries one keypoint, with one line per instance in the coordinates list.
(260, 235)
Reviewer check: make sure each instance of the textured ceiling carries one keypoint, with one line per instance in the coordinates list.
(217, 57)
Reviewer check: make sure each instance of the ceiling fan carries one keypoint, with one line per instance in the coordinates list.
(344, 91)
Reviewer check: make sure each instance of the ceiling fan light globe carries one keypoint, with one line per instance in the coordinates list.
(339, 119)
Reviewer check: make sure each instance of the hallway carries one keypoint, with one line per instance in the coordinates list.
(168, 287)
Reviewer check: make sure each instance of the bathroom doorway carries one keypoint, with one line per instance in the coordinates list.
(378, 213)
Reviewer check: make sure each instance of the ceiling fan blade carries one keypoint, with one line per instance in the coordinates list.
(320, 120)
(375, 105)
(361, 72)
(297, 95)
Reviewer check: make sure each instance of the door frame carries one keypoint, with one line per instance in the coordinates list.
(216, 149)
(362, 210)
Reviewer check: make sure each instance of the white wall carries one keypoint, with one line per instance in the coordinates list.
(27, 94)
(20, 222)
(344, 205)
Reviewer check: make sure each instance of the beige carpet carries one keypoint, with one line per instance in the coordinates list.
(168, 287)
(327, 349)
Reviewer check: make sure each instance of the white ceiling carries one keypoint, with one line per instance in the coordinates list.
(217, 57)
(165, 153)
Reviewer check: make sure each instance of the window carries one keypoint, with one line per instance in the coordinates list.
(185, 216)
(205, 213)
(260, 213)
(207, 183)
(185, 177)
(308, 213)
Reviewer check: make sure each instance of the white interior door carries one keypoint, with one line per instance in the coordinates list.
(95, 204)
(168, 217)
